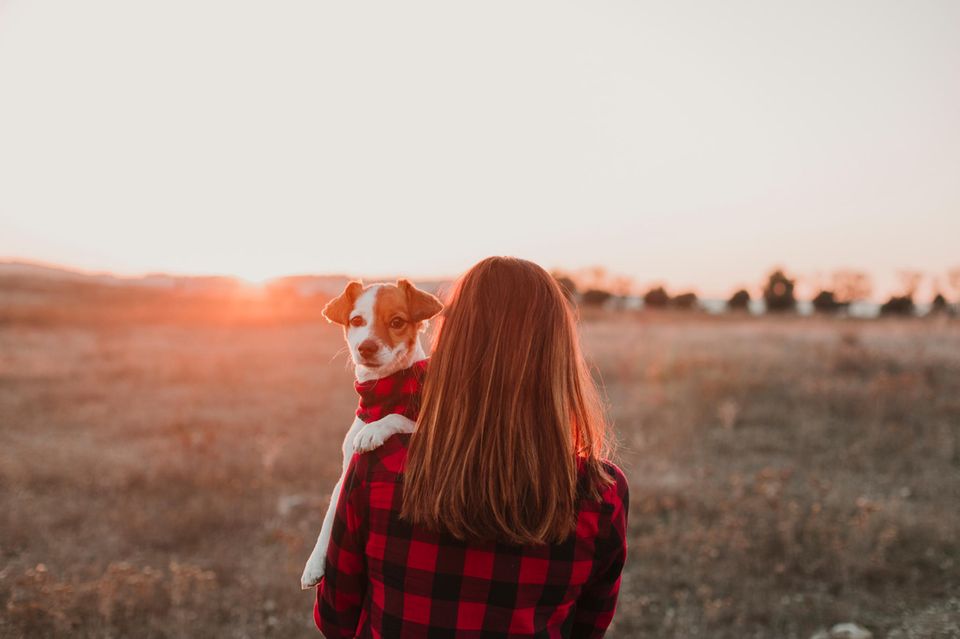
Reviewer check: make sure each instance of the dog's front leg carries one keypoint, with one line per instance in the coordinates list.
(313, 571)
(375, 433)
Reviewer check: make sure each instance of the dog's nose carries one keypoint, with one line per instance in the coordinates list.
(368, 348)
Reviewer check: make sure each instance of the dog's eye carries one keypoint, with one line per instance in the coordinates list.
(356, 320)
(397, 323)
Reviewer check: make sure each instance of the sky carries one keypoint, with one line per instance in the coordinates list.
(696, 144)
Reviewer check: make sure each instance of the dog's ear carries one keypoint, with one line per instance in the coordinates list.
(338, 309)
(422, 305)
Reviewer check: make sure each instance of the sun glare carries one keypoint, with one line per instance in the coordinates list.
(256, 278)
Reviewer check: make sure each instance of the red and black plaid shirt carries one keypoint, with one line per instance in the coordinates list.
(387, 578)
(398, 393)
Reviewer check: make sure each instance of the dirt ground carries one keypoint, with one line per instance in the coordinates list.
(167, 479)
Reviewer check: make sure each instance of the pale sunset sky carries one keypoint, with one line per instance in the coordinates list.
(693, 143)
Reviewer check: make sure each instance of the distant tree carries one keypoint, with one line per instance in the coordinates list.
(939, 304)
(851, 286)
(739, 301)
(898, 305)
(826, 302)
(595, 297)
(778, 292)
(903, 304)
(656, 298)
(599, 279)
(685, 301)
(567, 285)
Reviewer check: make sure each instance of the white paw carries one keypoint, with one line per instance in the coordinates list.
(312, 574)
(370, 436)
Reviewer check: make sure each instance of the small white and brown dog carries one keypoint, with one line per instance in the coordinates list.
(381, 325)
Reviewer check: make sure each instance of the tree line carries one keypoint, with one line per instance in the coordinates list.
(594, 287)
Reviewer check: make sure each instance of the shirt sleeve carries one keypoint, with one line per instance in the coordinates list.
(598, 598)
(342, 589)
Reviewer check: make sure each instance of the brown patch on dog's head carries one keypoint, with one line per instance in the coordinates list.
(338, 309)
(401, 310)
(422, 305)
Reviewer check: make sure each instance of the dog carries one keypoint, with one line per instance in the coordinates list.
(382, 325)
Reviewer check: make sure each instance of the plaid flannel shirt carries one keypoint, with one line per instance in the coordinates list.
(398, 393)
(387, 578)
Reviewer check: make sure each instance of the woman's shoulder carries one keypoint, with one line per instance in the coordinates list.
(601, 478)
(616, 494)
(619, 479)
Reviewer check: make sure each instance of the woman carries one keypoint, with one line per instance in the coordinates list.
(497, 517)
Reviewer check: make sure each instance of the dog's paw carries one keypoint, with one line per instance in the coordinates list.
(370, 437)
(312, 574)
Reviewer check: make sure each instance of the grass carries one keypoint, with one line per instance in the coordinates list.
(162, 476)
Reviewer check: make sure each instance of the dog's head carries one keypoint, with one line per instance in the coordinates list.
(381, 323)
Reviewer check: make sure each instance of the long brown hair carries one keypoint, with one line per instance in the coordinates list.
(509, 412)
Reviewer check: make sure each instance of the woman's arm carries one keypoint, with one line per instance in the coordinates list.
(598, 598)
(341, 592)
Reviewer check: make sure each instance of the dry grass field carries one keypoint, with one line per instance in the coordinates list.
(164, 474)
